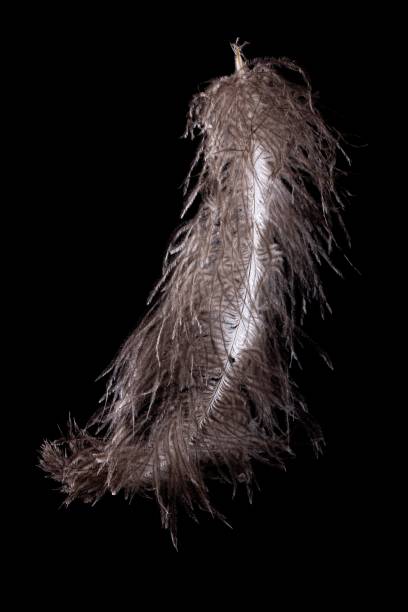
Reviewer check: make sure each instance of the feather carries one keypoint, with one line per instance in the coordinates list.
(201, 389)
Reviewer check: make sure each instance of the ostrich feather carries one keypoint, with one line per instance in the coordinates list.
(202, 387)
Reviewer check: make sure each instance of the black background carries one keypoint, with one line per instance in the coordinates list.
(101, 104)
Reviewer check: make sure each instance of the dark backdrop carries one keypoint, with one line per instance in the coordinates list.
(103, 102)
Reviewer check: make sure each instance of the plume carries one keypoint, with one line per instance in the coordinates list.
(202, 388)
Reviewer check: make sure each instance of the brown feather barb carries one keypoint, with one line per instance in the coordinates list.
(201, 388)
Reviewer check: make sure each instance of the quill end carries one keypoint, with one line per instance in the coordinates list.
(239, 56)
